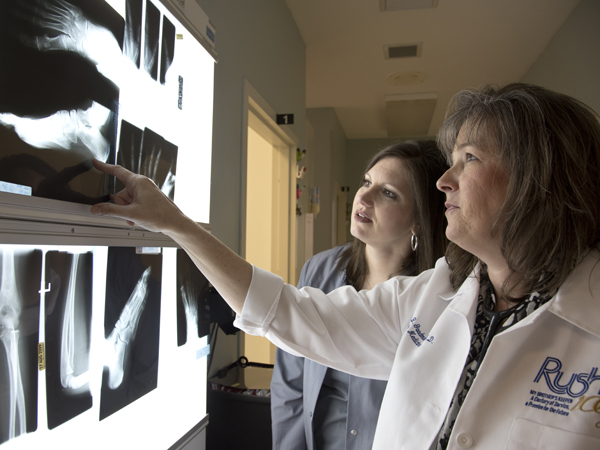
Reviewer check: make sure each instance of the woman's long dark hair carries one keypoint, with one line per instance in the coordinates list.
(424, 164)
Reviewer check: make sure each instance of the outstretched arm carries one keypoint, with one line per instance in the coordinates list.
(142, 203)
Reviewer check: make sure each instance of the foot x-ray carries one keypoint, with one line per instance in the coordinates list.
(19, 333)
(62, 65)
(192, 300)
(68, 280)
(132, 328)
(58, 97)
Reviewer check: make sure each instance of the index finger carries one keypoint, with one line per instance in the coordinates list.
(120, 172)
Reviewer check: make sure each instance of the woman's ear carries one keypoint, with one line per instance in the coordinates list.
(416, 229)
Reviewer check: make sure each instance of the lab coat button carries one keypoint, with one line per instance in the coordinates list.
(354, 432)
(464, 440)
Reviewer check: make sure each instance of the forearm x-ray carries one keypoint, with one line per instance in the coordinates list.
(68, 379)
(10, 312)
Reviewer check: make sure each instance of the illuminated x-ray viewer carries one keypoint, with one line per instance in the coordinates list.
(122, 81)
(118, 336)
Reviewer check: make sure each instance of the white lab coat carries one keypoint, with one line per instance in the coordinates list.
(538, 387)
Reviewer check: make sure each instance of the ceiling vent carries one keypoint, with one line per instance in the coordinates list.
(398, 5)
(409, 115)
(402, 51)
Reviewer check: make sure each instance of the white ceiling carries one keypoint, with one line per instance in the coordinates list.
(465, 43)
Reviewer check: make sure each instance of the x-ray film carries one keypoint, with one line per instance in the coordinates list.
(152, 27)
(68, 277)
(168, 48)
(130, 149)
(58, 98)
(159, 161)
(192, 300)
(73, 72)
(20, 284)
(133, 31)
(131, 326)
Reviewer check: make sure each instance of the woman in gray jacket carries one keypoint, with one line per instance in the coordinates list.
(398, 222)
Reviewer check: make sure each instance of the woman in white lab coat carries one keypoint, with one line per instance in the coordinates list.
(498, 346)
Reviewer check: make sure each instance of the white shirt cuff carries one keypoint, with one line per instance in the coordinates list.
(261, 302)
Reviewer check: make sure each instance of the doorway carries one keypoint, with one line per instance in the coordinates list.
(268, 229)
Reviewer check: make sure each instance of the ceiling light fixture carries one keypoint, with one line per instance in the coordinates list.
(398, 5)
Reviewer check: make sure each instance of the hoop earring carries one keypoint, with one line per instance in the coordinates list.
(414, 242)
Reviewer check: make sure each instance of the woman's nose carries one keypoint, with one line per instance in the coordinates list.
(365, 197)
(447, 182)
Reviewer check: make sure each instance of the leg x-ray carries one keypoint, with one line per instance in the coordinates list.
(192, 300)
(68, 277)
(132, 328)
(19, 333)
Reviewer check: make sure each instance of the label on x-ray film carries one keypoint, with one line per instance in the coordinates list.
(41, 356)
(147, 250)
(14, 188)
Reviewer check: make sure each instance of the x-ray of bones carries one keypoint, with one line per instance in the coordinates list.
(189, 297)
(133, 31)
(84, 124)
(151, 168)
(119, 340)
(67, 346)
(74, 33)
(148, 153)
(10, 311)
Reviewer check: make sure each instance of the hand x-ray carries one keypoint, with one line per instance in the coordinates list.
(147, 153)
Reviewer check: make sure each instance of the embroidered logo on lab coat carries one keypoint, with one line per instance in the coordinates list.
(415, 333)
(563, 393)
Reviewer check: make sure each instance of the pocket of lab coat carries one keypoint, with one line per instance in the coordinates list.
(528, 435)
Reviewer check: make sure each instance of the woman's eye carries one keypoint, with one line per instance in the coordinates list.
(389, 194)
(470, 157)
(366, 183)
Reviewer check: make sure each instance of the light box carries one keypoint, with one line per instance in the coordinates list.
(102, 331)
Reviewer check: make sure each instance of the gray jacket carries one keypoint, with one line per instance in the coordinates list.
(297, 381)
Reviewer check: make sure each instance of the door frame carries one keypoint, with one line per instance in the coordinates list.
(255, 103)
